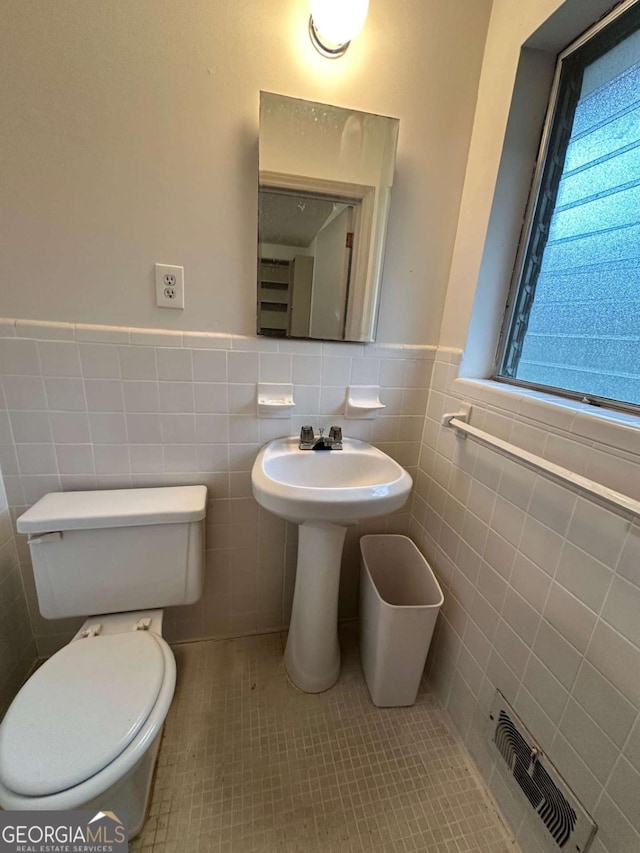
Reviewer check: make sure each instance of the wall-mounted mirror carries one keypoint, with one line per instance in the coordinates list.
(325, 189)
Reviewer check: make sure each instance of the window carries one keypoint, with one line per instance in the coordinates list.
(573, 320)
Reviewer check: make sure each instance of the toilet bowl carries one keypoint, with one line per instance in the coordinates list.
(79, 732)
(85, 729)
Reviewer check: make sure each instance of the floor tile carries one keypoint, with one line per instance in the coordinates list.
(250, 764)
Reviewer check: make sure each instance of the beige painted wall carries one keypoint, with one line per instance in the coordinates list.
(130, 137)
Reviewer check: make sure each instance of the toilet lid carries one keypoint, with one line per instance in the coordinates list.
(79, 711)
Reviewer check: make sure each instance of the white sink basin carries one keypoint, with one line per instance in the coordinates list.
(323, 491)
(337, 486)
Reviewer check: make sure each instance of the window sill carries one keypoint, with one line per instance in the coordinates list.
(618, 430)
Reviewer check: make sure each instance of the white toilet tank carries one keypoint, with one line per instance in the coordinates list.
(118, 550)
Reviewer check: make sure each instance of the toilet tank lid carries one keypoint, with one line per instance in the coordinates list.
(114, 508)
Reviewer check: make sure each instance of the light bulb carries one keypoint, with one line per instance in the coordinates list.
(334, 23)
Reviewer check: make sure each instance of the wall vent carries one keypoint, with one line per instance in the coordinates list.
(562, 816)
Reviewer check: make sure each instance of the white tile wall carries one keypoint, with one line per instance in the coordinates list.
(90, 407)
(17, 645)
(542, 592)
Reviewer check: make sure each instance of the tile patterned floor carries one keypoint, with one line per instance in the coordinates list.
(250, 764)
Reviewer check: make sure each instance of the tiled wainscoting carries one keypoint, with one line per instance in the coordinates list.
(542, 595)
(17, 646)
(87, 407)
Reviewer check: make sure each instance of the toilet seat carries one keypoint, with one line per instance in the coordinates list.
(79, 711)
(30, 775)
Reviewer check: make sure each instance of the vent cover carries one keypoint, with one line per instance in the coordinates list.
(561, 814)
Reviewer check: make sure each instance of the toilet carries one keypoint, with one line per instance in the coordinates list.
(84, 730)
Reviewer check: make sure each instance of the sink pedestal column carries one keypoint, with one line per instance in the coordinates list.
(312, 655)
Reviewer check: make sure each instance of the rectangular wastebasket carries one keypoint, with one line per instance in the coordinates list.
(399, 603)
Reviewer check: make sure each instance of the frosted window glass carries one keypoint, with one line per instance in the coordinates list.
(583, 328)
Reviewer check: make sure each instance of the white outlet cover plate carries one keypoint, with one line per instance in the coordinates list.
(169, 286)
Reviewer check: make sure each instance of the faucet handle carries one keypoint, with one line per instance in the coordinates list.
(306, 435)
(335, 434)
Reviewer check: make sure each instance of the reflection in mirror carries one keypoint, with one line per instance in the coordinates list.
(324, 195)
(316, 233)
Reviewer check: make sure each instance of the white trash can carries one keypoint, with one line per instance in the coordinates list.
(399, 603)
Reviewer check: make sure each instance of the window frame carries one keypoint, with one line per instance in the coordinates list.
(597, 40)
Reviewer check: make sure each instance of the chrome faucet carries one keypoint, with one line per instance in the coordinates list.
(309, 441)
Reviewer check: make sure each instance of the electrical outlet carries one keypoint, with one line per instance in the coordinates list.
(169, 286)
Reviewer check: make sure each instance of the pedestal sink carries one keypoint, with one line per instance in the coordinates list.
(324, 492)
